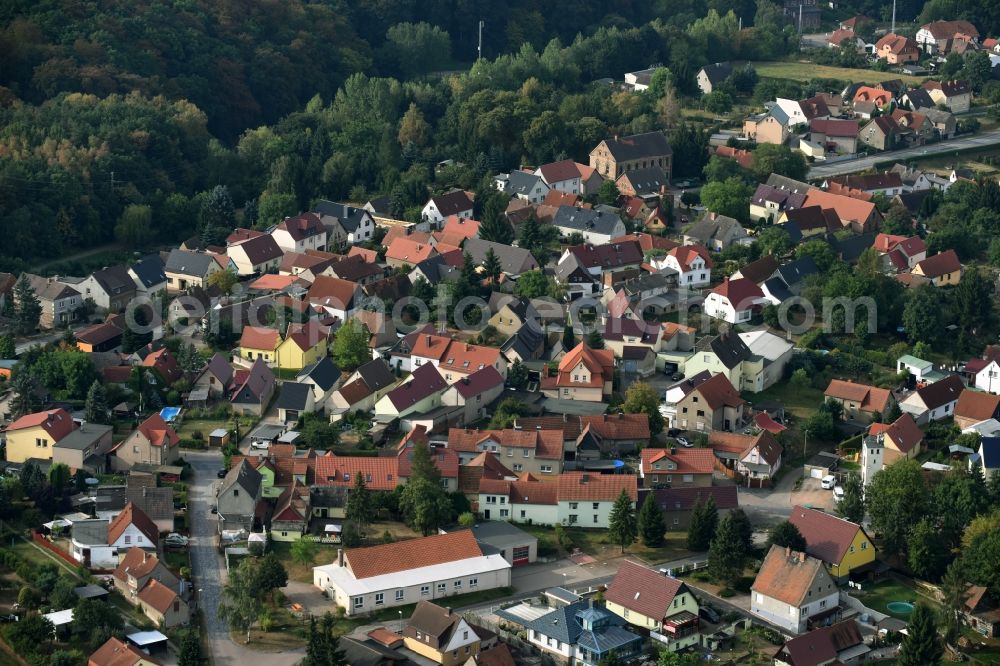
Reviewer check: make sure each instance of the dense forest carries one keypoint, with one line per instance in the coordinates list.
(106, 105)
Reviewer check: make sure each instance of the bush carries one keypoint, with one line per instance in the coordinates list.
(193, 444)
(198, 434)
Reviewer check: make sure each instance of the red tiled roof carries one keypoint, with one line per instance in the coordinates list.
(787, 577)
(827, 537)
(719, 391)
(904, 433)
(258, 337)
(647, 242)
(686, 254)
(554, 172)
(457, 226)
(157, 595)
(741, 292)
(56, 422)
(272, 282)
(643, 590)
(380, 473)
(157, 432)
(302, 226)
(137, 562)
(163, 362)
(618, 426)
(587, 487)
(686, 461)
(870, 398)
(939, 264)
(975, 405)
(133, 515)
(118, 653)
(412, 554)
(328, 290)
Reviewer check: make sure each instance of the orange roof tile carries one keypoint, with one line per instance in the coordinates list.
(847, 208)
(827, 536)
(871, 399)
(412, 554)
(585, 486)
(157, 595)
(380, 473)
(56, 422)
(259, 337)
(457, 226)
(118, 653)
(157, 432)
(133, 515)
(328, 290)
(976, 405)
(787, 576)
(644, 591)
(408, 250)
(137, 562)
(686, 461)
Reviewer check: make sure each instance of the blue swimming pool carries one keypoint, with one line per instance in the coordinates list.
(170, 413)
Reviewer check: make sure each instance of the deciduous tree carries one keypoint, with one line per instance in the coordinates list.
(787, 535)
(350, 345)
(640, 398)
(423, 502)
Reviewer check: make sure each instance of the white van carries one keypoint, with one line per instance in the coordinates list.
(838, 493)
(828, 482)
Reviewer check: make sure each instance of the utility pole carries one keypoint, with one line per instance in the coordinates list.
(805, 438)
(480, 49)
(893, 16)
(800, 18)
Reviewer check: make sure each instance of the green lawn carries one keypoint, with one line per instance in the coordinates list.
(596, 543)
(802, 402)
(877, 595)
(805, 71)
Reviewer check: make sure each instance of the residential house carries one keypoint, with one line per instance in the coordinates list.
(606, 435)
(840, 643)
(103, 337)
(254, 389)
(513, 314)
(734, 301)
(754, 458)
(36, 435)
(889, 183)
(984, 373)
(257, 342)
(363, 388)
(759, 270)
(356, 269)
(662, 605)
(154, 442)
(577, 279)
(563, 176)
(586, 499)
(600, 259)
(678, 504)
(835, 135)
(942, 37)
(933, 401)
(185, 269)
(897, 49)
(613, 157)
(322, 377)
(769, 201)
(860, 402)
(648, 184)
(771, 127)
(527, 186)
(880, 133)
(988, 456)
(346, 224)
(437, 208)
(981, 612)
(216, 377)
(901, 253)
(513, 260)
(841, 545)
(163, 605)
(711, 76)
(163, 364)
(842, 36)
(727, 354)
(716, 232)
(238, 498)
(527, 501)
(857, 215)
(255, 256)
(791, 588)
(301, 233)
(96, 543)
(475, 393)
(336, 297)
(943, 269)
(583, 374)
(676, 468)
(402, 251)
(766, 365)
(457, 226)
(111, 289)
(538, 452)
(157, 503)
(454, 358)
(956, 95)
(115, 652)
(292, 512)
(294, 401)
(711, 405)
(594, 226)
(137, 568)
(885, 443)
(397, 574)
(440, 635)
(421, 394)
(60, 302)
(975, 407)
(582, 633)
(304, 344)
(943, 122)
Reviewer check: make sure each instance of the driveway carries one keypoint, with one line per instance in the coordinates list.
(765, 508)
(208, 569)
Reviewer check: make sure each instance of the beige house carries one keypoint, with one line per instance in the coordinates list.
(153, 442)
(440, 635)
(512, 315)
(613, 157)
(765, 128)
(791, 588)
(137, 568)
(712, 405)
(162, 605)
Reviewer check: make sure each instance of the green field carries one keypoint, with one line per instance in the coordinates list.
(805, 71)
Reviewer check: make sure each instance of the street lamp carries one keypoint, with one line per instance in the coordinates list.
(400, 621)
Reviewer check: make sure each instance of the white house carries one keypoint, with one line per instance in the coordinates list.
(531, 502)
(790, 588)
(259, 254)
(563, 175)
(363, 580)
(474, 393)
(437, 208)
(96, 543)
(300, 233)
(734, 300)
(692, 263)
(352, 225)
(984, 374)
(933, 401)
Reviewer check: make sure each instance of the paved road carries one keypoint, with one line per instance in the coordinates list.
(41, 340)
(208, 569)
(981, 140)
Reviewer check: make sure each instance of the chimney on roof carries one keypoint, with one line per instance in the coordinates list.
(340, 557)
(802, 557)
(447, 610)
(428, 338)
(788, 551)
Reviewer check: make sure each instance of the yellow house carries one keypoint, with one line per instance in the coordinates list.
(440, 635)
(842, 545)
(659, 603)
(304, 345)
(258, 342)
(943, 269)
(35, 435)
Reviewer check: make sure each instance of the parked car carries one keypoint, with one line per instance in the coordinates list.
(221, 474)
(838, 493)
(677, 376)
(175, 539)
(828, 482)
(260, 444)
(709, 613)
(683, 442)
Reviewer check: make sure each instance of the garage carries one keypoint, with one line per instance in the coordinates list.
(521, 555)
(822, 464)
(815, 473)
(515, 545)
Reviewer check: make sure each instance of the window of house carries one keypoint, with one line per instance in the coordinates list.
(595, 518)
(424, 591)
(128, 539)
(518, 467)
(573, 505)
(399, 595)
(688, 478)
(572, 518)
(596, 505)
(359, 602)
(473, 582)
(458, 585)
(504, 513)
(442, 587)
(864, 545)
(547, 468)
(379, 598)
(236, 492)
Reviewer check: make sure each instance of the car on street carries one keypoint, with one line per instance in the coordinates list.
(260, 444)
(221, 474)
(683, 442)
(828, 482)
(176, 540)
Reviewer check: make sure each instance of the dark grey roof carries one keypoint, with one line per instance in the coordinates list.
(261, 249)
(91, 532)
(90, 592)
(520, 182)
(718, 72)
(585, 219)
(521, 307)
(84, 436)
(778, 289)
(219, 366)
(376, 374)
(183, 262)
(639, 146)
(350, 218)
(564, 624)
(245, 476)
(149, 270)
(920, 99)
(648, 180)
(369, 653)
(796, 271)
(850, 249)
(571, 267)
(436, 269)
(788, 184)
(649, 281)
(294, 396)
(157, 503)
(634, 353)
(730, 349)
(513, 260)
(707, 229)
(452, 203)
(525, 342)
(378, 205)
(324, 373)
(114, 280)
(913, 200)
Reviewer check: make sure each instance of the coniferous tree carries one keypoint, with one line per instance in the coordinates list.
(744, 529)
(852, 506)
(360, 505)
(622, 525)
(496, 228)
(704, 522)
(492, 268)
(27, 309)
(24, 400)
(651, 523)
(7, 347)
(922, 644)
(530, 235)
(217, 216)
(568, 338)
(727, 555)
(595, 340)
(96, 405)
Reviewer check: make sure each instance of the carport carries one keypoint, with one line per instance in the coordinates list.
(822, 464)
